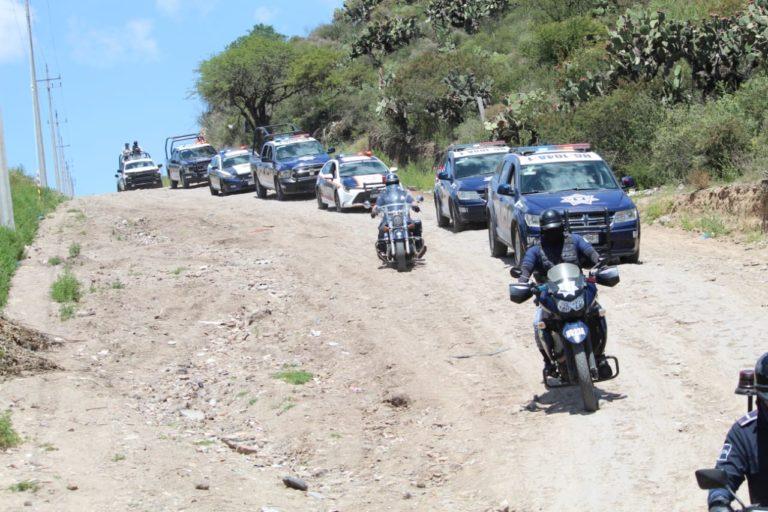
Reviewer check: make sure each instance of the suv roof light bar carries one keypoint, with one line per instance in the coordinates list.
(530, 150)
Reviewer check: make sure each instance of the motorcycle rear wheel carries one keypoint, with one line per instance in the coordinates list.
(400, 257)
(585, 379)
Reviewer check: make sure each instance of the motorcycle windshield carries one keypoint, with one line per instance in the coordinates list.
(565, 279)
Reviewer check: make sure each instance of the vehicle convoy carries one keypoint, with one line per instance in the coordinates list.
(571, 179)
(187, 164)
(137, 170)
(575, 324)
(350, 180)
(286, 160)
(230, 171)
(463, 173)
(400, 238)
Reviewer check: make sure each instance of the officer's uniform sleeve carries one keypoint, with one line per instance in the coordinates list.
(733, 460)
(586, 250)
(530, 260)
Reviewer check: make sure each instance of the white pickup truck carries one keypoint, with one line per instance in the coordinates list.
(138, 171)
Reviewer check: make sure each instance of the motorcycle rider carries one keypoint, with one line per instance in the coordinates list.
(557, 246)
(745, 452)
(395, 193)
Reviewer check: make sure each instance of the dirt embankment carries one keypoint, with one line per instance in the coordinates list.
(181, 386)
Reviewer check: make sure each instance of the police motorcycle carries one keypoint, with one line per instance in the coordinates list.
(709, 479)
(401, 240)
(574, 326)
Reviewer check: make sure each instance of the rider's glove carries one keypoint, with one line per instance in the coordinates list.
(373, 214)
(417, 208)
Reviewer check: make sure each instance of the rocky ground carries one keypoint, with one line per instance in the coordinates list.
(179, 381)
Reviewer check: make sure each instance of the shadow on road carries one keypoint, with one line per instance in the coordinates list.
(567, 400)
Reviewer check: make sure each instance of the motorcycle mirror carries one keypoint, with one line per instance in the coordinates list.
(519, 293)
(515, 272)
(608, 276)
(711, 479)
(367, 205)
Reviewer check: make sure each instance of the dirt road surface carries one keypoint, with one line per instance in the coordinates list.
(195, 303)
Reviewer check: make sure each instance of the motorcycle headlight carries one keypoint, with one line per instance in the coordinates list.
(625, 216)
(565, 306)
(532, 220)
(468, 195)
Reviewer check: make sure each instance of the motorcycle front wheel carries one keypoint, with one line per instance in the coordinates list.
(400, 257)
(585, 378)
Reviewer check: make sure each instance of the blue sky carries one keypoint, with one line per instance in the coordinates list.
(128, 71)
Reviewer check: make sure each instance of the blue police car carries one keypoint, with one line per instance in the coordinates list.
(462, 180)
(571, 179)
(230, 171)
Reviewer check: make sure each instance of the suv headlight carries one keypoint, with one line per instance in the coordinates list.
(532, 220)
(285, 173)
(625, 216)
(468, 195)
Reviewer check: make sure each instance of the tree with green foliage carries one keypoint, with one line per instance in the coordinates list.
(258, 71)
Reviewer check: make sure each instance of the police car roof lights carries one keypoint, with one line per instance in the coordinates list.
(530, 150)
(459, 147)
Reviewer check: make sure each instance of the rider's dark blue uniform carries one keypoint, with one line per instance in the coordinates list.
(745, 454)
(537, 256)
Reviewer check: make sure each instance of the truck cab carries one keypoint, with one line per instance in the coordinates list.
(187, 163)
(571, 179)
(136, 171)
(286, 161)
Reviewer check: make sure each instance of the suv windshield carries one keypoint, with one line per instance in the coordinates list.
(363, 168)
(562, 176)
(236, 160)
(201, 152)
(136, 165)
(299, 149)
(476, 165)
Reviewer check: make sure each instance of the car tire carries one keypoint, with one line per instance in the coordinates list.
(442, 221)
(183, 180)
(261, 191)
(214, 192)
(498, 248)
(320, 203)
(173, 182)
(457, 226)
(279, 190)
(119, 188)
(337, 201)
(518, 246)
(634, 259)
(223, 190)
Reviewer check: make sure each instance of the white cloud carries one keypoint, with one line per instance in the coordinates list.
(169, 7)
(264, 15)
(130, 42)
(13, 31)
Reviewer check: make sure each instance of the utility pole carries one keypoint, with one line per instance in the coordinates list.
(6, 203)
(36, 105)
(66, 179)
(48, 81)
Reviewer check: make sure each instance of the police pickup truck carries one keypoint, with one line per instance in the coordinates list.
(286, 160)
(568, 178)
(137, 170)
(188, 163)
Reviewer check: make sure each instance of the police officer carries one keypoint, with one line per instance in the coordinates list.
(556, 247)
(394, 193)
(745, 452)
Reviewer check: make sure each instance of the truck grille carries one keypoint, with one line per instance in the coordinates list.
(142, 178)
(307, 172)
(589, 220)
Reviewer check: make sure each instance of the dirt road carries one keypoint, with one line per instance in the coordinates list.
(195, 303)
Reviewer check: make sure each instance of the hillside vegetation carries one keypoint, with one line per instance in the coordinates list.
(668, 91)
(29, 206)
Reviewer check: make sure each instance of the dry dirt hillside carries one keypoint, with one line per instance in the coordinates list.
(179, 381)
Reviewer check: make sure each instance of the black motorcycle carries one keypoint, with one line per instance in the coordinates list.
(574, 326)
(400, 241)
(709, 479)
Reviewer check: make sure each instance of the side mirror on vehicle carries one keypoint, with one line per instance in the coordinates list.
(505, 189)
(331, 150)
(608, 276)
(515, 272)
(159, 166)
(117, 175)
(367, 205)
(628, 182)
(444, 176)
(519, 293)
(711, 479)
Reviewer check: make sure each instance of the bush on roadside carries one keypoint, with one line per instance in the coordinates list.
(66, 288)
(553, 42)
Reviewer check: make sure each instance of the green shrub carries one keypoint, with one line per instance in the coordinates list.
(66, 288)
(54, 261)
(74, 250)
(295, 377)
(657, 208)
(67, 311)
(24, 486)
(8, 436)
(29, 207)
(553, 42)
(417, 175)
(713, 225)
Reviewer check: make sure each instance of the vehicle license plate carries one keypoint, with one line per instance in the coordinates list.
(593, 238)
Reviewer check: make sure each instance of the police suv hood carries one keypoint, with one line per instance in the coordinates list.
(202, 160)
(292, 163)
(584, 200)
(479, 182)
(143, 168)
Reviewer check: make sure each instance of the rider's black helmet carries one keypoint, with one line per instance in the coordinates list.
(392, 179)
(551, 220)
(761, 378)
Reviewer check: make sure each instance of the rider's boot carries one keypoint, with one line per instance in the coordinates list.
(604, 370)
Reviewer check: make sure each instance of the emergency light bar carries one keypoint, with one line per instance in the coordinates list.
(530, 150)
